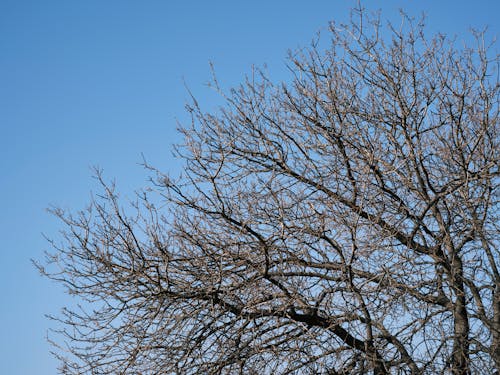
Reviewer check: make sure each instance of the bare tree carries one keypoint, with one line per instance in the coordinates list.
(344, 223)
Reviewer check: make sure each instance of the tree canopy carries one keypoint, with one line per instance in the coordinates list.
(344, 222)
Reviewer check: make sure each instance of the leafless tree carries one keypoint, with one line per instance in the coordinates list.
(346, 222)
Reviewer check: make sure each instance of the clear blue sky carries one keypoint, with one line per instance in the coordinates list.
(98, 82)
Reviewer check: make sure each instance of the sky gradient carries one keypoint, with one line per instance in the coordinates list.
(102, 82)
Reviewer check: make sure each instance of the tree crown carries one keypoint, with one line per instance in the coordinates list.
(343, 222)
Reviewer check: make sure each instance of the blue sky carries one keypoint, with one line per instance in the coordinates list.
(98, 82)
